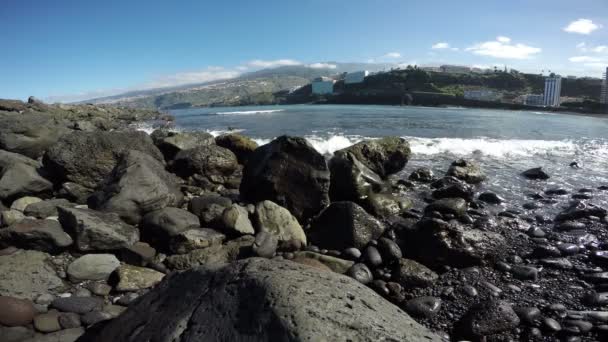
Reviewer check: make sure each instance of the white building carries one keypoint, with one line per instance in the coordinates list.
(455, 69)
(323, 85)
(604, 94)
(553, 90)
(356, 77)
(534, 100)
(482, 95)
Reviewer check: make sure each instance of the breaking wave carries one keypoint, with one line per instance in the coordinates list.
(251, 112)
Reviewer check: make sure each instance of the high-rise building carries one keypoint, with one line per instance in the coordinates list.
(553, 90)
(604, 94)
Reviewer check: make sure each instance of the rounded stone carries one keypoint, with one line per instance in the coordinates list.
(361, 273)
(265, 244)
(372, 256)
(47, 322)
(93, 267)
(389, 250)
(16, 312)
(352, 253)
(423, 306)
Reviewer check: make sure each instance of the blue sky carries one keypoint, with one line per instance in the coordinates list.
(67, 50)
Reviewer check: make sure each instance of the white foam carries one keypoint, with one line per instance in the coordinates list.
(490, 147)
(331, 144)
(251, 112)
(218, 132)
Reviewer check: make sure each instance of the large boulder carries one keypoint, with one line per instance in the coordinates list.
(27, 274)
(97, 231)
(262, 300)
(211, 161)
(160, 225)
(30, 133)
(351, 180)
(343, 225)
(171, 143)
(467, 170)
(19, 177)
(41, 235)
(138, 185)
(383, 156)
(289, 172)
(276, 220)
(209, 208)
(87, 158)
(240, 145)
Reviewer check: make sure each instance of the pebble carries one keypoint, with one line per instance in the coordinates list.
(558, 263)
(361, 273)
(372, 256)
(47, 322)
(582, 326)
(490, 197)
(546, 251)
(470, 291)
(525, 272)
(528, 314)
(568, 248)
(100, 289)
(425, 307)
(92, 267)
(551, 325)
(380, 287)
(536, 232)
(16, 312)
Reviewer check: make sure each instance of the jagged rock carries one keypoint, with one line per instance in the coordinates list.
(97, 231)
(41, 235)
(210, 208)
(343, 225)
(75, 192)
(383, 156)
(467, 170)
(211, 161)
(27, 274)
(579, 210)
(171, 143)
(30, 134)
(138, 185)
(46, 208)
(278, 221)
(236, 221)
(87, 158)
(451, 243)
(487, 318)
(351, 180)
(410, 273)
(19, 177)
(240, 293)
(536, 173)
(216, 254)
(240, 145)
(192, 239)
(160, 225)
(92, 267)
(134, 278)
(490, 197)
(455, 206)
(422, 175)
(289, 172)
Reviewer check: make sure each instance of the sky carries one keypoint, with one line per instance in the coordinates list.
(67, 50)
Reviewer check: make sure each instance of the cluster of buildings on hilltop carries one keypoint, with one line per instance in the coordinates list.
(325, 85)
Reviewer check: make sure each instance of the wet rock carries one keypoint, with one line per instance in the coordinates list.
(580, 210)
(92, 267)
(236, 221)
(46, 208)
(556, 192)
(389, 250)
(525, 272)
(410, 273)
(385, 205)
(134, 278)
(536, 173)
(171, 143)
(360, 273)
(160, 225)
(27, 274)
(551, 325)
(192, 239)
(422, 175)
(343, 225)
(19, 177)
(558, 263)
(568, 249)
(594, 298)
(210, 208)
(137, 185)
(15, 311)
(41, 235)
(470, 291)
(79, 305)
(97, 231)
(351, 180)
(297, 291)
(528, 315)
(352, 253)
(372, 257)
(425, 307)
(47, 322)
(490, 197)
(289, 172)
(384, 156)
(278, 221)
(240, 145)
(487, 318)
(454, 206)
(467, 170)
(87, 158)
(457, 190)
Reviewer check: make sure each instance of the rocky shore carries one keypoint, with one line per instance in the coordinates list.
(110, 234)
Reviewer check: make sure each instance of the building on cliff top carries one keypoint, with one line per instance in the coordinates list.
(323, 86)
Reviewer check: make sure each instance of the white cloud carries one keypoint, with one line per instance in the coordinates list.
(600, 49)
(322, 66)
(242, 68)
(582, 26)
(258, 63)
(503, 48)
(182, 78)
(392, 55)
(440, 46)
(585, 59)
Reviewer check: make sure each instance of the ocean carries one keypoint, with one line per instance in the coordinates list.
(505, 143)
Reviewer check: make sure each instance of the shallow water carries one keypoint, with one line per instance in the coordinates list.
(504, 142)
